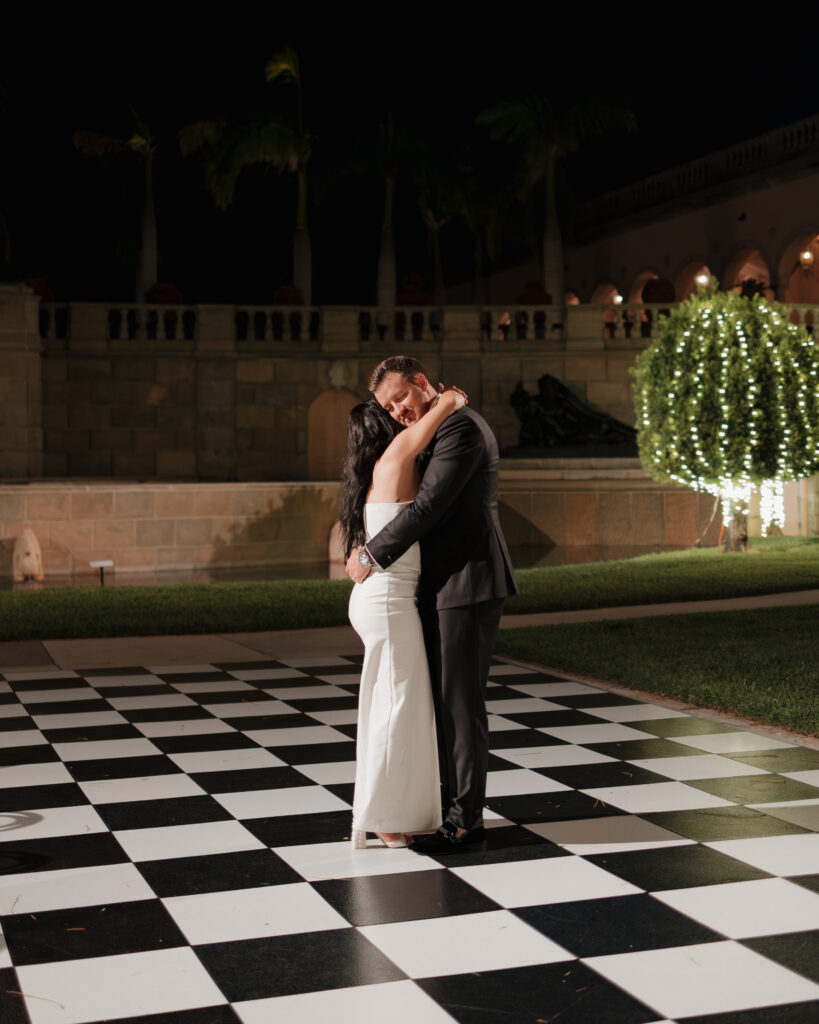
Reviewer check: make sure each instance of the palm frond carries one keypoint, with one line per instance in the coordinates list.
(284, 64)
(200, 135)
(97, 144)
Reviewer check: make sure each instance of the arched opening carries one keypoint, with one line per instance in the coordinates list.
(571, 299)
(799, 269)
(748, 274)
(635, 293)
(690, 277)
(327, 433)
(605, 293)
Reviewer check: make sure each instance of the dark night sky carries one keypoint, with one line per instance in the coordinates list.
(74, 220)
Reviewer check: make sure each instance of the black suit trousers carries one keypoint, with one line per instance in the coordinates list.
(459, 644)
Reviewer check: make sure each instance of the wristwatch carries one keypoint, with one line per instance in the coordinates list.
(365, 559)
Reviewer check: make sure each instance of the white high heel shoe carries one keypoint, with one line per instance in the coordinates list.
(394, 844)
(358, 840)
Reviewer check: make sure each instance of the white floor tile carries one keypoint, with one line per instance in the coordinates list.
(297, 736)
(656, 796)
(465, 943)
(35, 891)
(184, 727)
(151, 787)
(520, 780)
(250, 709)
(51, 773)
(52, 696)
(330, 773)
(618, 834)
(4, 687)
(635, 713)
(252, 913)
(255, 674)
(743, 910)
(79, 720)
(270, 803)
(522, 706)
(226, 760)
(698, 766)
(115, 681)
(810, 777)
(341, 678)
(92, 750)
(396, 1002)
(553, 690)
(315, 861)
(715, 977)
(557, 756)
(497, 723)
(151, 701)
(731, 742)
(778, 855)
(214, 686)
(610, 732)
(348, 717)
(186, 840)
(550, 880)
(22, 738)
(12, 711)
(799, 812)
(105, 987)
(321, 692)
(48, 822)
(5, 955)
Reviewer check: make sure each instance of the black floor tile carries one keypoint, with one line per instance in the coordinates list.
(297, 829)
(807, 881)
(247, 779)
(503, 844)
(343, 790)
(621, 924)
(757, 789)
(792, 759)
(570, 993)
(202, 742)
(549, 719)
(40, 753)
(68, 707)
(678, 867)
(21, 724)
(221, 872)
(798, 951)
(80, 932)
(255, 723)
(86, 733)
(128, 670)
(154, 690)
(710, 824)
(204, 1015)
(670, 727)
(408, 896)
(229, 697)
(195, 677)
(81, 851)
(183, 810)
(98, 768)
(27, 798)
(24, 686)
(241, 666)
(637, 750)
(567, 805)
(324, 704)
(789, 1013)
(505, 739)
(599, 776)
(12, 1005)
(347, 730)
(184, 713)
(592, 700)
(287, 964)
(315, 753)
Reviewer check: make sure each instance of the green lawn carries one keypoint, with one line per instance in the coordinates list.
(779, 564)
(762, 664)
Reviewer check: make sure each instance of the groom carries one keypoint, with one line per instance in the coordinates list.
(466, 575)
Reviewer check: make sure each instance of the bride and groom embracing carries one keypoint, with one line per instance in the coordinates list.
(425, 548)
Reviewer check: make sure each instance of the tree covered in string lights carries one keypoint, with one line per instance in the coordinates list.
(726, 400)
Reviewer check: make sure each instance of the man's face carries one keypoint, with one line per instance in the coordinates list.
(405, 400)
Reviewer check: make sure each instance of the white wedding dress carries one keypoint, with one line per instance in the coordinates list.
(397, 783)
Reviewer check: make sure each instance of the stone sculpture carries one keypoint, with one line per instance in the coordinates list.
(27, 560)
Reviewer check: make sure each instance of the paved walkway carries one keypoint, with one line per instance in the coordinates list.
(174, 822)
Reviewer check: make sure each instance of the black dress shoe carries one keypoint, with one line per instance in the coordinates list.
(447, 840)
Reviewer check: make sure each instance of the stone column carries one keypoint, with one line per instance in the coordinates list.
(21, 410)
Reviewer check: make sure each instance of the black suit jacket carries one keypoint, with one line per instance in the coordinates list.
(464, 558)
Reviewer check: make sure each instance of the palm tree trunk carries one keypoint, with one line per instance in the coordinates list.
(302, 260)
(147, 267)
(386, 279)
(434, 242)
(552, 241)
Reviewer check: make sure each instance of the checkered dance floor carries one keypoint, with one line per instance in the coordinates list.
(173, 848)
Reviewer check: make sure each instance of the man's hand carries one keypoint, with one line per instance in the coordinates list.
(354, 569)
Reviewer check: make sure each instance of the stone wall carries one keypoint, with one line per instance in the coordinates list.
(21, 412)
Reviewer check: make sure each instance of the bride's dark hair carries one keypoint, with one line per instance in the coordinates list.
(369, 431)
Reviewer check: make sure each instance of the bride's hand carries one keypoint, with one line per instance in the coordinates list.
(460, 396)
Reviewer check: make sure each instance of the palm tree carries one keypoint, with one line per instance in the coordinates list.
(547, 129)
(143, 143)
(267, 138)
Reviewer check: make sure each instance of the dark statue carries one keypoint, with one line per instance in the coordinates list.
(554, 418)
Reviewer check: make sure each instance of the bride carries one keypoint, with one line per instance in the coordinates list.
(397, 789)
